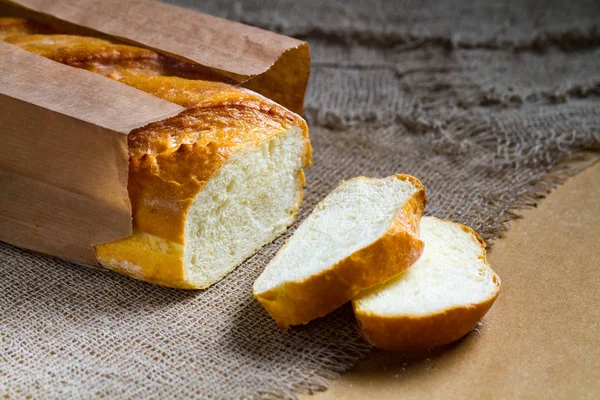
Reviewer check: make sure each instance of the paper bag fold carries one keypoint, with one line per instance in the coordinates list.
(64, 158)
(274, 65)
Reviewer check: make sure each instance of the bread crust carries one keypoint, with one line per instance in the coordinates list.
(13, 27)
(96, 55)
(422, 332)
(298, 302)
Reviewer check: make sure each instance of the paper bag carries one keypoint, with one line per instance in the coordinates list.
(63, 131)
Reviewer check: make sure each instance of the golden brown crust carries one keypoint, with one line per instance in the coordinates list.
(203, 94)
(138, 256)
(13, 27)
(189, 93)
(422, 332)
(96, 55)
(295, 303)
(113, 60)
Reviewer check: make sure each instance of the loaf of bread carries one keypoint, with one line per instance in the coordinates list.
(438, 300)
(362, 234)
(208, 187)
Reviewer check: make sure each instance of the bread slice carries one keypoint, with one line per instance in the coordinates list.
(363, 233)
(438, 300)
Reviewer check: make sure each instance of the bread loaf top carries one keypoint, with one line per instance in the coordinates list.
(10, 27)
(96, 55)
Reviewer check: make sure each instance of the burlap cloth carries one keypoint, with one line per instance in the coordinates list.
(483, 101)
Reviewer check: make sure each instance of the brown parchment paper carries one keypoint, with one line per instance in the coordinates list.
(274, 65)
(64, 158)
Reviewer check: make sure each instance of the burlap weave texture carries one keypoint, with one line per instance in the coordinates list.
(481, 100)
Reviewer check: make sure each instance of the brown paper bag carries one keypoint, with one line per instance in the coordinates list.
(63, 131)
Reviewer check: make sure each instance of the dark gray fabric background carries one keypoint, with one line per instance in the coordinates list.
(481, 100)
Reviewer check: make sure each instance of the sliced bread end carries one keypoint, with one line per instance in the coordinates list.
(438, 300)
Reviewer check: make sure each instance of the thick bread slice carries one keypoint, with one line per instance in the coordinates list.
(438, 300)
(362, 234)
